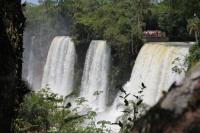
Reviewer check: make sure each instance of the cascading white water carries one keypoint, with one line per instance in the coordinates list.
(95, 75)
(29, 76)
(153, 67)
(30, 69)
(59, 68)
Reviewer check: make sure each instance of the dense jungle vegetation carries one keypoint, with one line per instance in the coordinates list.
(119, 22)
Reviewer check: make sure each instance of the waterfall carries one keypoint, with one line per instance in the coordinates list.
(94, 85)
(59, 68)
(30, 77)
(30, 69)
(153, 67)
(29, 64)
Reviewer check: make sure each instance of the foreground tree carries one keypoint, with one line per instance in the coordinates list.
(11, 48)
(46, 112)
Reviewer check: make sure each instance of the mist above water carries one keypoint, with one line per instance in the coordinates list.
(39, 32)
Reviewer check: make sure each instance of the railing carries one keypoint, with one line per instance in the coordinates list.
(155, 36)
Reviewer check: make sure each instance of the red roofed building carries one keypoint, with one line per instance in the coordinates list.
(155, 36)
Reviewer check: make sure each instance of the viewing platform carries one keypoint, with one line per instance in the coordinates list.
(155, 36)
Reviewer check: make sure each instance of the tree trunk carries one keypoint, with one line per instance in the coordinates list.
(11, 48)
(196, 37)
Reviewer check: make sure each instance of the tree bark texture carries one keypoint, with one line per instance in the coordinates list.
(11, 49)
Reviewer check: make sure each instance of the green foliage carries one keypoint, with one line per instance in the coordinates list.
(134, 109)
(44, 111)
(180, 65)
(172, 17)
(103, 123)
(194, 27)
(41, 15)
(47, 112)
(97, 93)
(118, 22)
(194, 52)
(189, 7)
(194, 56)
(112, 20)
(173, 24)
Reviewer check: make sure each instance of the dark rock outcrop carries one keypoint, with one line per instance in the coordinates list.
(178, 111)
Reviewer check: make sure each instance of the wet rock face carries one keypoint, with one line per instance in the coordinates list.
(176, 112)
(180, 97)
(193, 128)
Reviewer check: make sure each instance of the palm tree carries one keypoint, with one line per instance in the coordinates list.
(194, 27)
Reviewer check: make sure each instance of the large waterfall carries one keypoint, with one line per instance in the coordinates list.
(94, 86)
(30, 69)
(28, 64)
(153, 68)
(59, 67)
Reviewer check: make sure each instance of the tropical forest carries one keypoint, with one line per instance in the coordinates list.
(99, 66)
